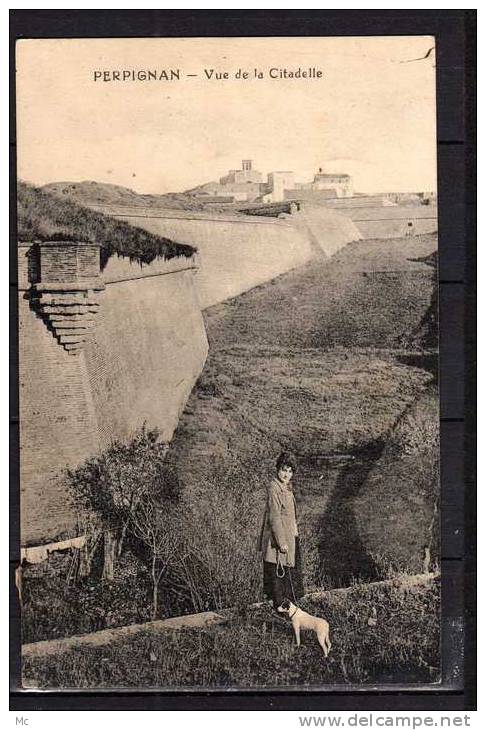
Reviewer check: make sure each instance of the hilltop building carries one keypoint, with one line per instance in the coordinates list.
(277, 183)
(246, 175)
(281, 186)
(341, 184)
(337, 185)
(247, 185)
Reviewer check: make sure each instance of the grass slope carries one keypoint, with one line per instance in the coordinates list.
(43, 216)
(89, 192)
(316, 361)
(379, 634)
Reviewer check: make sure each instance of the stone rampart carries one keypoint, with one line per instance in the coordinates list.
(234, 254)
(131, 358)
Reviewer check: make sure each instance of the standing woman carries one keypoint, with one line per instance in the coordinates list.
(279, 542)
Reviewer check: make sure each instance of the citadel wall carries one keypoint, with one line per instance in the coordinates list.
(138, 365)
(234, 254)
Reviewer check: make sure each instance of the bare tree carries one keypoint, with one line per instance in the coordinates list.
(154, 523)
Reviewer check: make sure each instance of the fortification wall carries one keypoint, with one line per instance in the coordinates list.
(327, 230)
(398, 228)
(393, 212)
(394, 221)
(234, 254)
(359, 201)
(147, 347)
(372, 218)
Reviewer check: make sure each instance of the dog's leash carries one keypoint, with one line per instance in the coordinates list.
(280, 568)
(280, 573)
(292, 586)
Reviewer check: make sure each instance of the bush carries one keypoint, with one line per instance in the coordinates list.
(110, 486)
(166, 555)
(221, 565)
(130, 488)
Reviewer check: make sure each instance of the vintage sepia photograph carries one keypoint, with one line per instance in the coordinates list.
(228, 363)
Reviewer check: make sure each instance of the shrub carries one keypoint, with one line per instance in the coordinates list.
(154, 522)
(111, 484)
(220, 564)
(130, 487)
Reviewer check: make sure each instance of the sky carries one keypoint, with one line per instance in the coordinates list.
(371, 114)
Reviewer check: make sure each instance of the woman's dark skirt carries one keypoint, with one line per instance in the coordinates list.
(290, 585)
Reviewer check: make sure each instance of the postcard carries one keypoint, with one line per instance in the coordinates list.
(228, 337)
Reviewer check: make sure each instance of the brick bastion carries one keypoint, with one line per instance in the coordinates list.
(101, 353)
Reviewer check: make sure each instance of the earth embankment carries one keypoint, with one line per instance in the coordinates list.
(317, 361)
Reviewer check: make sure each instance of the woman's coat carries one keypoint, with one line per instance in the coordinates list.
(279, 525)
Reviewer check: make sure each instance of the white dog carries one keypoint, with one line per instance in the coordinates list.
(302, 620)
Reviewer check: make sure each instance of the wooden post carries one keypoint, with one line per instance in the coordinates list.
(85, 560)
(110, 544)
